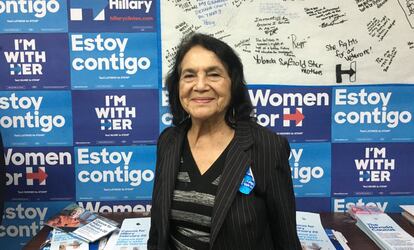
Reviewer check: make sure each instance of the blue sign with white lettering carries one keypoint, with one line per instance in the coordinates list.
(23, 220)
(114, 60)
(302, 114)
(362, 169)
(36, 174)
(33, 16)
(311, 169)
(115, 117)
(373, 114)
(123, 206)
(36, 118)
(112, 15)
(34, 61)
(388, 204)
(114, 172)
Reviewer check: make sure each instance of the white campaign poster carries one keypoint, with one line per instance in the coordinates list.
(317, 42)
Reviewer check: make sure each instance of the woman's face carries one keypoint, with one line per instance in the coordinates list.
(204, 87)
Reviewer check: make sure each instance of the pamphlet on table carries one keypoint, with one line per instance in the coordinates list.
(62, 240)
(311, 233)
(381, 228)
(81, 223)
(134, 234)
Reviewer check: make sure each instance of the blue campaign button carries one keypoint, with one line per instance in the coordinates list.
(247, 183)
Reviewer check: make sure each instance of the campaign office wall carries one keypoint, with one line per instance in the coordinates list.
(82, 99)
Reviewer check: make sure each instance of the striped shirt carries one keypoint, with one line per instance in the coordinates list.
(193, 201)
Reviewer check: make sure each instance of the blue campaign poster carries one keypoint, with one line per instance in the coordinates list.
(34, 61)
(373, 114)
(112, 16)
(39, 174)
(115, 117)
(114, 172)
(36, 118)
(388, 204)
(369, 169)
(302, 114)
(117, 206)
(33, 16)
(23, 220)
(113, 60)
(311, 169)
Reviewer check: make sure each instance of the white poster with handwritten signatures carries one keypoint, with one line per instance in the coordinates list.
(321, 42)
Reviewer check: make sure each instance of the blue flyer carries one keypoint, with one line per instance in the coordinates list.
(23, 220)
(36, 118)
(121, 16)
(34, 61)
(310, 164)
(373, 114)
(372, 169)
(114, 173)
(113, 60)
(302, 114)
(33, 16)
(115, 117)
(388, 204)
(39, 174)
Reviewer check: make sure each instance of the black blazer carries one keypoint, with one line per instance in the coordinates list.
(264, 219)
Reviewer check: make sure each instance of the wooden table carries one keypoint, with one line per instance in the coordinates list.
(341, 222)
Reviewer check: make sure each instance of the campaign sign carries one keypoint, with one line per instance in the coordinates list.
(113, 60)
(113, 117)
(34, 61)
(373, 113)
(388, 204)
(117, 206)
(165, 114)
(23, 220)
(313, 204)
(36, 118)
(114, 172)
(36, 174)
(112, 16)
(302, 114)
(35, 16)
(362, 169)
(310, 164)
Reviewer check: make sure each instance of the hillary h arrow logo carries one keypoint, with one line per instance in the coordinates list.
(97, 6)
(297, 116)
(41, 176)
(351, 72)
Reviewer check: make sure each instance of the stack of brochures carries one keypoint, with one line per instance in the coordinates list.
(381, 228)
(312, 235)
(408, 213)
(76, 227)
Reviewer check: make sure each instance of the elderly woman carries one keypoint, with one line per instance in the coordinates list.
(221, 181)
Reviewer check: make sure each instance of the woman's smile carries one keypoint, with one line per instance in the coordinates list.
(202, 100)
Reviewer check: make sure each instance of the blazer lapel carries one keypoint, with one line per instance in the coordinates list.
(169, 174)
(238, 160)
